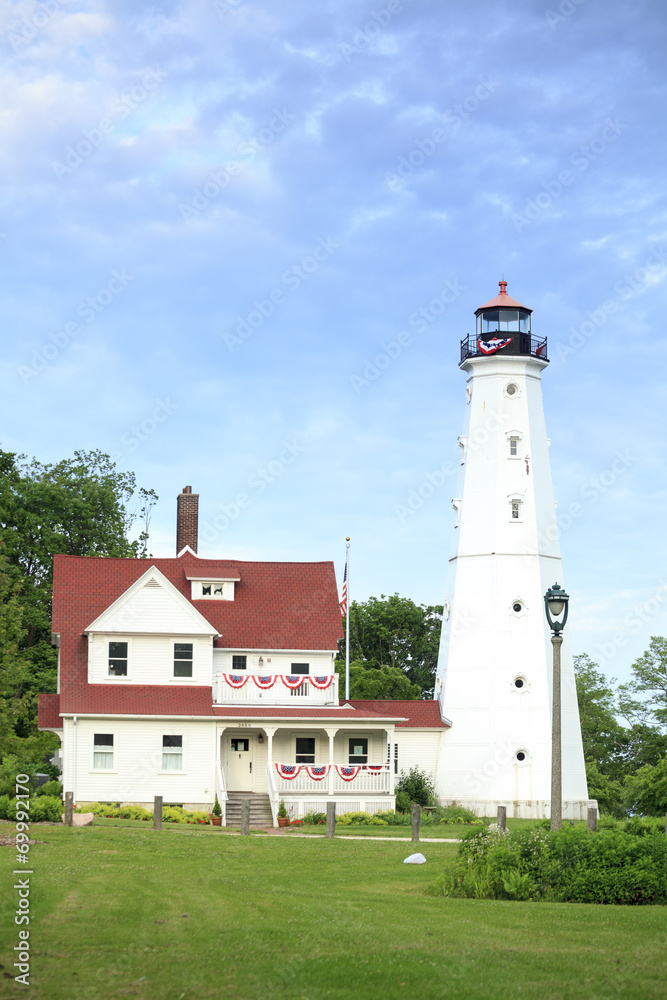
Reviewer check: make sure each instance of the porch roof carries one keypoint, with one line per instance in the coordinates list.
(417, 714)
(324, 713)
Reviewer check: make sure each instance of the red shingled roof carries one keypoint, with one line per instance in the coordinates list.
(138, 699)
(275, 606)
(48, 711)
(418, 714)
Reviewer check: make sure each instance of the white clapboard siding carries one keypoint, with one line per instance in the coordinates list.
(418, 748)
(150, 659)
(321, 664)
(151, 605)
(137, 775)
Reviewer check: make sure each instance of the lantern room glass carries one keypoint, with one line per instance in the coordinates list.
(503, 321)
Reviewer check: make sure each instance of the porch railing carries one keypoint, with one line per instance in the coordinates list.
(221, 792)
(244, 689)
(374, 779)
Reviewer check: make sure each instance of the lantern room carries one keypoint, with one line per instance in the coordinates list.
(503, 326)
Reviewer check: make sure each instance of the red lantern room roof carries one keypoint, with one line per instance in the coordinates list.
(503, 300)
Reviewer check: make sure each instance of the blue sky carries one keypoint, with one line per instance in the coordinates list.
(216, 215)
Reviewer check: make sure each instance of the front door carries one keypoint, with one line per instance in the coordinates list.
(239, 763)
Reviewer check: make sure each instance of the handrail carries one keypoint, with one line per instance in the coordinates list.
(222, 793)
(273, 793)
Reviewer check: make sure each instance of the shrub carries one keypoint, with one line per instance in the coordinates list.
(314, 818)
(360, 819)
(642, 826)
(217, 809)
(4, 807)
(46, 809)
(418, 785)
(403, 803)
(569, 865)
(457, 814)
(282, 811)
(52, 788)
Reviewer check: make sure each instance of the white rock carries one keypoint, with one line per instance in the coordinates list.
(415, 859)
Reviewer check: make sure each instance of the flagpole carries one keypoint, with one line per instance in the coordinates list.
(347, 621)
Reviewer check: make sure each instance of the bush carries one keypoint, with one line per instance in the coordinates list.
(314, 818)
(46, 809)
(569, 865)
(170, 814)
(457, 814)
(4, 807)
(359, 819)
(642, 826)
(418, 785)
(52, 788)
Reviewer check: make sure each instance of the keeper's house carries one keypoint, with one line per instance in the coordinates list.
(190, 678)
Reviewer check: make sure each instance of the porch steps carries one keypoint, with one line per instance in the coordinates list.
(260, 809)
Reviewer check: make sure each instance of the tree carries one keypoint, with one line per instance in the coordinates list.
(396, 632)
(79, 506)
(602, 736)
(644, 698)
(371, 680)
(608, 791)
(646, 791)
(20, 741)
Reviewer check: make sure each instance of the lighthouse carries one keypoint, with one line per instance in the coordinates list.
(494, 675)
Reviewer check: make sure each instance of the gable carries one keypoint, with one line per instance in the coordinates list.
(152, 605)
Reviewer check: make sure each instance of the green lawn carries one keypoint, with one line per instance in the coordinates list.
(128, 912)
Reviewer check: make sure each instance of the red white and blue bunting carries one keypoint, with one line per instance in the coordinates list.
(265, 682)
(321, 682)
(493, 345)
(348, 773)
(374, 768)
(293, 681)
(235, 680)
(317, 771)
(289, 771)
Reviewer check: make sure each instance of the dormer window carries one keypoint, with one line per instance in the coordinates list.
(212, 590)
(118, 659)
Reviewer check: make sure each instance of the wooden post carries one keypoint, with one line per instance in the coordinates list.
(69, 808)
(331, 819)
(245, 817)
(502, 817)
(592, 820)
(416, 810)
(157, 812)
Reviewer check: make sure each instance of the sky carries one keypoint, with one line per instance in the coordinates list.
(240, 242)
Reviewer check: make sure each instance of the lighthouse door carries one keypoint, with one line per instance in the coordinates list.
(239, 764)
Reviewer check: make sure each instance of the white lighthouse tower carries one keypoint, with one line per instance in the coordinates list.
(494, 672)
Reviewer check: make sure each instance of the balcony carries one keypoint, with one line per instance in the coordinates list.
(522, 344)
(275, 689)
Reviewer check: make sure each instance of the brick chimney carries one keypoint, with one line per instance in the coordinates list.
(187, 519)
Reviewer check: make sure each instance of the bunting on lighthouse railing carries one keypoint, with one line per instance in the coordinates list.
(265, 682)
(293, 681)
(288, 771)
(493, 345)
(321, 682)
(348, 773)
(317, 771)
(235, 680)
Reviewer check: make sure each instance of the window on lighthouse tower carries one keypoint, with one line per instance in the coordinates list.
(516, 510)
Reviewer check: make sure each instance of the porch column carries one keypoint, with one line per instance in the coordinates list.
(392, 777)
(331, 733)
(269, 735)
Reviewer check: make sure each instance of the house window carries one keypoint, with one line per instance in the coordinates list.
(514, 447)
(305, 750)
(117, 659)
(182, 659)
(214, 590)
(300, 668)
(358, 750)
(239, 663)
(103, 751)
(172, 753)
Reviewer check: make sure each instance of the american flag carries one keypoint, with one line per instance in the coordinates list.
(343, 600)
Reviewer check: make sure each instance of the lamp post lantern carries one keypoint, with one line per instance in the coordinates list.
(555, 605)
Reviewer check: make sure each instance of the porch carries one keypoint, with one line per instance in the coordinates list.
(274, 689)
(306, 766)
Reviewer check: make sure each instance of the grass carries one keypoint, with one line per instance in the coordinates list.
(121, 911)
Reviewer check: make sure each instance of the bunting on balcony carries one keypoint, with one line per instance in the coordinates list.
(348, 773)
(321, 682)
(265, 682)
(235, 680)
(317, 771)
(293, 681)
(288, 771)
(493, 345)
(374, 768)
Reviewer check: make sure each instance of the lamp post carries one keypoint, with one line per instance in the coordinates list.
(555, 605)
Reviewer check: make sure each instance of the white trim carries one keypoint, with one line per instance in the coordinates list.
(204, 626)
(263, 650)
(192, 552)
